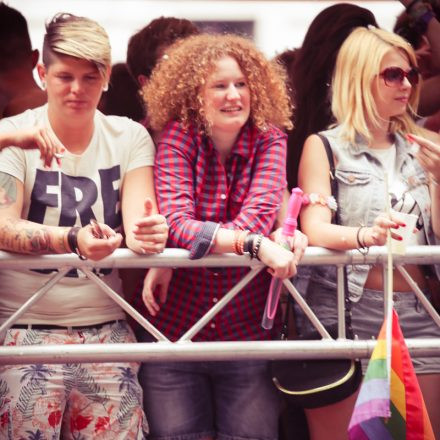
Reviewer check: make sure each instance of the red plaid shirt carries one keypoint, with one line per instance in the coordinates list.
(193, 190)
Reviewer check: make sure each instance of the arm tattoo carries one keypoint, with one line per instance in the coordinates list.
(8, 190)
(18, 235)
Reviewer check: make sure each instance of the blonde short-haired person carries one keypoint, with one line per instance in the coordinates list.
(375, 92)
(220, 177)
(102, 171)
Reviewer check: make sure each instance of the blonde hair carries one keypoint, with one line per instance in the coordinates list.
(175, 90)
(357, 68)
(78, 37)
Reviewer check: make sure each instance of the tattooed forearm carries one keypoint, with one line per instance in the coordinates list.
(40, 241)
(18, 235)
(8, 190)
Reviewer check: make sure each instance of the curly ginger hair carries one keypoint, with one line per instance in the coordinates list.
(175, 90)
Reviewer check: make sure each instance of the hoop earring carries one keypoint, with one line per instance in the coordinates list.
(43, 85)
(105, 87)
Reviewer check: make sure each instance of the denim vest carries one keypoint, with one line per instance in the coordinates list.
(361, 186)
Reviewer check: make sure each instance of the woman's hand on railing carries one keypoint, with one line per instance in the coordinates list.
(376, 235)
(298, 243)
(281, 262)
(150, 231)
(156, 284)
(95, 247)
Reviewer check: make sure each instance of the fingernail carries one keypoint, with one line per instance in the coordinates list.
(399, 238)
(409, 137)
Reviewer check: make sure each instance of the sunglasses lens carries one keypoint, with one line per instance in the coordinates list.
(393, 75)
(413, 77)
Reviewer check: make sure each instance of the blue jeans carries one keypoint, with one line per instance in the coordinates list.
(227, 400)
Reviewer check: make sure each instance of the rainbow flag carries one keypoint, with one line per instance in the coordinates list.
(390, 404)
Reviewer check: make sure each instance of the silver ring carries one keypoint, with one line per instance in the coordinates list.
(58, 155)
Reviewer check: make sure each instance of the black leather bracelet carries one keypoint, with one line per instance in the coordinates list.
(72, 239)
(249, 244)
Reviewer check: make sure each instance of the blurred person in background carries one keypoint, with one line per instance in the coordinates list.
(121, 98)
(18, 89)
(311, 72)
(419, 25)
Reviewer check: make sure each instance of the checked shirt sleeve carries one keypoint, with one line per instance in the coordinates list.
(264, 197)
(174, 181)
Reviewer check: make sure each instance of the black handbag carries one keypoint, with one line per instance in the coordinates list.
(316, 383)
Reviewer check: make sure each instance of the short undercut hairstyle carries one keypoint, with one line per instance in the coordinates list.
(78, 37)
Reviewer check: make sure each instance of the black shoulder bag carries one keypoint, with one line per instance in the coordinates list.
(315, 383)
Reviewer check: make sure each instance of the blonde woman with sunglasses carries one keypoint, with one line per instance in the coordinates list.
(375, 92)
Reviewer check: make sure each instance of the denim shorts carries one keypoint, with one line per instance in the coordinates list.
(368, 316)
(227, 400)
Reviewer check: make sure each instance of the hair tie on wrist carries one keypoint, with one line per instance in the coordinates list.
(72, 239)
(362, 247)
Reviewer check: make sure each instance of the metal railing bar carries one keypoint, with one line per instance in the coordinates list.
(124, 305)
(341, 301)
(420, 295)
(125, 258)
(197, 351)
(219, 305)
(32, 300)
(307, 310)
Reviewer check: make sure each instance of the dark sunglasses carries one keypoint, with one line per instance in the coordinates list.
(394, 76)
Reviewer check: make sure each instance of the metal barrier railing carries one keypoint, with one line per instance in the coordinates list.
(185, 349)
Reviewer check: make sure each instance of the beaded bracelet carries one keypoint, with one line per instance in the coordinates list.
(319, 199)
(235, 241)
(72, 239)
(256, 247)
(238, 242)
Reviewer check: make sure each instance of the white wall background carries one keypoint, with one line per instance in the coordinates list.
(278, 24)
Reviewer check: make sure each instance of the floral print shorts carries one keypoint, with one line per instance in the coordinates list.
(71, 401)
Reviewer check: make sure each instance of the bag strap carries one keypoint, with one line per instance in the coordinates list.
(335, 194)
(337, 220)
(333, 181)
